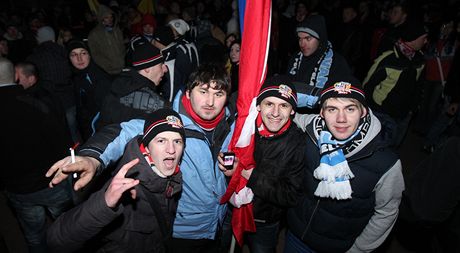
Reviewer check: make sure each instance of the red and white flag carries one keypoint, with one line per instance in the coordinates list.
(252, 73)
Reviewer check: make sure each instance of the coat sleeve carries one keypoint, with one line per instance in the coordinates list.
(78, 225)
(302, 120)
(108, 144)
(388, 193)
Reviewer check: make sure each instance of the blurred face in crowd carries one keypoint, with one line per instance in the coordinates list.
(348, 14)
(66, 36)
(147, 29)
(446, 29)
(342, 116)
(418, 43)
(397, 16)
(155, 73)
(166, 151)
(307, 43)
(300, 12)
(25, 80)
(275, 113)
(229, 40)
(235, 53)
(79, 57)
(207, 101)
(35, 24)
(4, 48)
(107, 20)
(12, 31)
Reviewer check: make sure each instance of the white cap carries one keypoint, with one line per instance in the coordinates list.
(179, 25)
(45, 33)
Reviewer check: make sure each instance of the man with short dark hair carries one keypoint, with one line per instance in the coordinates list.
(32, 137)
(315, 63)
(209, 127)
(353, 182)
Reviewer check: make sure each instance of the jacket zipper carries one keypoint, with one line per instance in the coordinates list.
(311, 219)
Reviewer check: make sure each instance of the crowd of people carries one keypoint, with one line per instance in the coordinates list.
(147, 100)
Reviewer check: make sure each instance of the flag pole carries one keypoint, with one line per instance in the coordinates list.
(232, 244)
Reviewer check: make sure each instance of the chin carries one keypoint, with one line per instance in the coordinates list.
(167, 172)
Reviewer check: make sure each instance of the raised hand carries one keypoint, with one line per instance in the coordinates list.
(85, 166)
(120, 184)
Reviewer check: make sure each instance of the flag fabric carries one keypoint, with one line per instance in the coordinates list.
(93, 6)
(146, 7)
(252, 73)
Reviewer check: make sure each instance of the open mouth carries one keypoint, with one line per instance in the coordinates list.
(169, 162)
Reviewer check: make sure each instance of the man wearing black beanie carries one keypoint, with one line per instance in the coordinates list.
(143, 194)
(276, 182)
(353, 182)
(315, 63)
(392, 82)
(91, 84)
(134, 92)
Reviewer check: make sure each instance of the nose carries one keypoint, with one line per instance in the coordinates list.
(341, 117)
(171, 149)
(79, 58)
(210, 100)
(302, 42)
(275, 111)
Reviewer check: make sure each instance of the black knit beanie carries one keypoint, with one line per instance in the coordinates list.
(76, 43)
(162, 120)
(145, 55)
(412, 30)
(315, 25)
(346, 88)
(164, 35)
(279, 86)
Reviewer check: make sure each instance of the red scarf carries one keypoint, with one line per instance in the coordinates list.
(265, 132)
(405, 49)
(207, 125)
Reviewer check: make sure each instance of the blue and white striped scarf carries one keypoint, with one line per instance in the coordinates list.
(333, 170)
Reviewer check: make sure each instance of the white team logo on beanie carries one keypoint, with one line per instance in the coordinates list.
(342, 87)
(174, 121)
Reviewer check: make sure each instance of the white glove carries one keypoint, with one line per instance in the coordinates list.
(244, 196)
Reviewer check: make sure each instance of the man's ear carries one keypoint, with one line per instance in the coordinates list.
(187, 94)
(364, 113)
(321, 113)
(292, 112)
(258, 108)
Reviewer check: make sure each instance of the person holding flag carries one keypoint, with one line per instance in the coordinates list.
(280, 158)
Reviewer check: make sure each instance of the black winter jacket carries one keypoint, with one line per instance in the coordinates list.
(277, 178)
(131, 227)
(331, 226)
(132, 96)
(91, 85)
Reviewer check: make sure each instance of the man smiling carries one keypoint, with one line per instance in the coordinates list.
(279, 155)
(354, 182)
